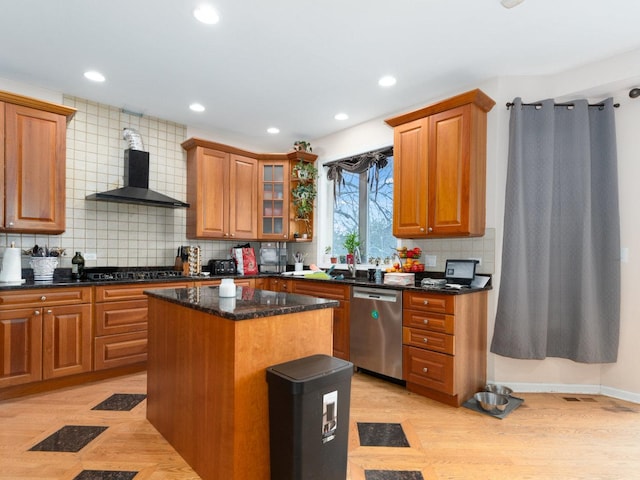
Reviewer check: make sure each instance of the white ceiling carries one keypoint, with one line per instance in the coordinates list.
(294, 64)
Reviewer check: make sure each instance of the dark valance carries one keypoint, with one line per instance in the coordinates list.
(371, 161)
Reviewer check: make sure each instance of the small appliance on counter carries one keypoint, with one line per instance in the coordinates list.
(11, 266)
(225, 266)
(273, 257)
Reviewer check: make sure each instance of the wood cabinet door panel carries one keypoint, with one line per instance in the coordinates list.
(322, 289)
(20, 347)
(429, 302)
(119, 350)
(435, 322)
(114, 293)
(213, 194)
(41, 297)
(449, 169)
(437, 342)
(243, 206)
(429, 369)
(121, 317)
(341, 332)
(35, 153)
(66, 341)
(410, 172)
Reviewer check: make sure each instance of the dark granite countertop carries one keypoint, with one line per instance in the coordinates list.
(360, 280)
(249, 303)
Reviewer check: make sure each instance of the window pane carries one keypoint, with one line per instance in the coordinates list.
(345, 211)
(367, 212)
(380, 240)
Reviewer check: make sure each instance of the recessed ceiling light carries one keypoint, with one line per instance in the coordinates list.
(196, 107)
(94, 76)
(273, 130)
(206, 14)
(341, 116)
(387, 81)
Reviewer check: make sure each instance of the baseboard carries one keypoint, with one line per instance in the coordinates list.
(574, 389)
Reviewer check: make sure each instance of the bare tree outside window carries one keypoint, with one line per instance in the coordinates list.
(358, 207)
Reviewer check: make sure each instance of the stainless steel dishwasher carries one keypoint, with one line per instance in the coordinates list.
(376, 330)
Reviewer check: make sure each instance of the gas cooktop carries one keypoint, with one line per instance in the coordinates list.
(116, 273)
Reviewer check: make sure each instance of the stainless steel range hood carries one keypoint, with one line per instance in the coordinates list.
(136, 185)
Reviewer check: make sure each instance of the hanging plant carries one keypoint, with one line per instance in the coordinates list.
(304, 192)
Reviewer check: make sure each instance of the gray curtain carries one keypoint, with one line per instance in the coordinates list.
(560, 283)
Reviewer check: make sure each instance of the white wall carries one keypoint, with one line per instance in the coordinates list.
(611, 77)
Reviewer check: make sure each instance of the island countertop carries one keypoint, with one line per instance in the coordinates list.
(249, 303)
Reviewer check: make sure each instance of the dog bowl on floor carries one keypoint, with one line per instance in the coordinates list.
(491, 402)
(499, 389)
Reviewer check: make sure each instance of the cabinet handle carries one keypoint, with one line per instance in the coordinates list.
(48, 311)
(425, 302)
(425, 340)
(425, 370)
(425, 321)
(233, 234)
(430, 229)
(37, 312)
(11, 224)
(43, 298)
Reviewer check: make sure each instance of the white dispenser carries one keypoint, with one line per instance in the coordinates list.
(11, 267)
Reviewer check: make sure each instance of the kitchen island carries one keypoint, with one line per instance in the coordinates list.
(206, 379)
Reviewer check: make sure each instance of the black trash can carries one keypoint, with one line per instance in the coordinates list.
(309, 418)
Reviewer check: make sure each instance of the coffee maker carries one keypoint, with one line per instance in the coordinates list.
(273, 257)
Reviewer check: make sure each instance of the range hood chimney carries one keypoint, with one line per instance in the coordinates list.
(136, 180)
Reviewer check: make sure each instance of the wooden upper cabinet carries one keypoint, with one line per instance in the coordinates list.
(410, 142)
(222, 191)
(273, 200)
(440, 168)
(34, 160)
(243, 198)
(236, 194)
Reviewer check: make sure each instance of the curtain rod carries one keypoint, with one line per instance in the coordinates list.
(599, 105)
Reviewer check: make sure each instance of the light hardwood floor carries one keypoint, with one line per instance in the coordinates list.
(548, 437)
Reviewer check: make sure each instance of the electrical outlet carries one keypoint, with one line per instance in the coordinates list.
(90, 256)
(430, 260)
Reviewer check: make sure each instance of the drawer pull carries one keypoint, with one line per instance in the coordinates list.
(48, 311)
(425, 340)
(425, 321)
(425, 302)
(425, 370)
(43, 298)
(37, 312)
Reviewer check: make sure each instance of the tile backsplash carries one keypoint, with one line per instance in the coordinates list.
(482, 248)
(120, 234)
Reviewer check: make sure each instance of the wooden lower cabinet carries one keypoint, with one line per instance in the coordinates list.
(334, 291)
(21, 341)
(445, 344)
(121, 323)
(67, 339)
(45, 334)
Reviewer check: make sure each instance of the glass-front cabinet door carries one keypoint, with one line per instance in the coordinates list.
(273, 221)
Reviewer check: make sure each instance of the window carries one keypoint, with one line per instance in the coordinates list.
(358, 207)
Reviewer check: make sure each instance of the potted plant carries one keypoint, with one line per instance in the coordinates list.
(304, 192)
(351, 242)
(302, 146)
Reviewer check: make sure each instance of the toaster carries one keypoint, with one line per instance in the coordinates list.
(222, 267)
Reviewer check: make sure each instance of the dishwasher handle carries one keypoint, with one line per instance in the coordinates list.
(377, 294)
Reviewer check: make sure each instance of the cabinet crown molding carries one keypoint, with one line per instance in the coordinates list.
(16, 99)
(199, 142)
(476, 97)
